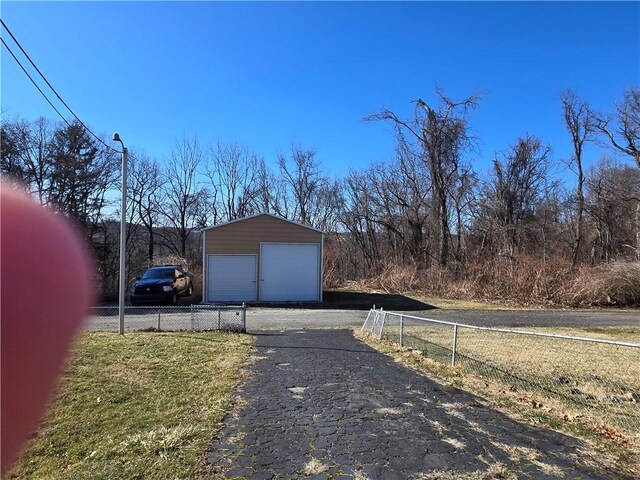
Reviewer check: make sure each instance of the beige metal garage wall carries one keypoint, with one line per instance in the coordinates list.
(245, 236)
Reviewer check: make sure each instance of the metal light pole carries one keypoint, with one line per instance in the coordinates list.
(123, 233)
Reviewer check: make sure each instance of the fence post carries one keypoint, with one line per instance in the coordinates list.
(384, 317)
(374, 322)
(158, 319)
(453, 349)
(365, 321)
(244, 317)
(401, 330)
(218, 318)
(193, 325)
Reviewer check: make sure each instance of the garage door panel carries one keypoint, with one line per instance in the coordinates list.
(231, 278)
(289, 272)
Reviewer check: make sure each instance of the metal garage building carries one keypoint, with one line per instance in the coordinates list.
(262, 258)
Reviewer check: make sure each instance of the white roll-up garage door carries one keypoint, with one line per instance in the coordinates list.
(231, 278)
(289, 272)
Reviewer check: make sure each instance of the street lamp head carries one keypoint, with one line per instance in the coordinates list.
(116, 137)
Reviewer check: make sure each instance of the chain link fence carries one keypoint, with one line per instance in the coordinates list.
(587, 379)
(192, 317)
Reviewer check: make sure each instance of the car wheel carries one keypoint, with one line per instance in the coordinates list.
(174, 298)
(190, 291)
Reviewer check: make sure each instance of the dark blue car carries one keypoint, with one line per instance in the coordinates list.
(161, 285)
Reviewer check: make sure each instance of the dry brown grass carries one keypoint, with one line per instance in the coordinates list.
(172, 259)
(360, 475)
(393, 279)
(616, 284)
(523, 280)
(455, 442)
(388, 411)
(616, 448)
(580, 381)
(314, 467)
(493, 472)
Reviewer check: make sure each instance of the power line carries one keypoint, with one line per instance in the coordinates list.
(50, 86)
(34, 83)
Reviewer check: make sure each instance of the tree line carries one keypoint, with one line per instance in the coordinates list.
(425, 219)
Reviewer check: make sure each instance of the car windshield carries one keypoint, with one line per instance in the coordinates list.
(159, 273)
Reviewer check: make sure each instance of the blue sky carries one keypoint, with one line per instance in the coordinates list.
(267, 74)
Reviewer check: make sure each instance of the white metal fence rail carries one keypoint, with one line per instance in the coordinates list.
(192, 317)
(594, 377)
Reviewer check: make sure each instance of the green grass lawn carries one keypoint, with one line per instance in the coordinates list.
(145, 405)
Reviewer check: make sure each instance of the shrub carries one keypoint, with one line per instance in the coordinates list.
(394, 279)
(606, 285)
(523, 279)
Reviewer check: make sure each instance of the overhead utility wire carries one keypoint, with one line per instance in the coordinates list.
(50, 86)
(34, 83)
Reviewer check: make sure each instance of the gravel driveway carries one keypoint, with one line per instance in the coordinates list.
(322, 404)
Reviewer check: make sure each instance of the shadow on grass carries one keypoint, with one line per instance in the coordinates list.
(347, 300)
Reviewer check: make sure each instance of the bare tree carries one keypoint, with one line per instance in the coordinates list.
(624, 134)
(27, 155)
(401, 194)
(326, 206)
(622, 130)
(12, 134)
(519, 183)
(144, 191)
(463, 193)
(407, 184)
(183, 197)
(233, 178)
(358, 220)
(302, 174)
(387, 207)
(271, 194)
(579, 122)
(313, 198)
(442, 135)
(613, 197)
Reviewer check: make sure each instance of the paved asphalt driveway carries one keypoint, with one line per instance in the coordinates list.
(279, 318)
(323, 397)
(261, 318)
